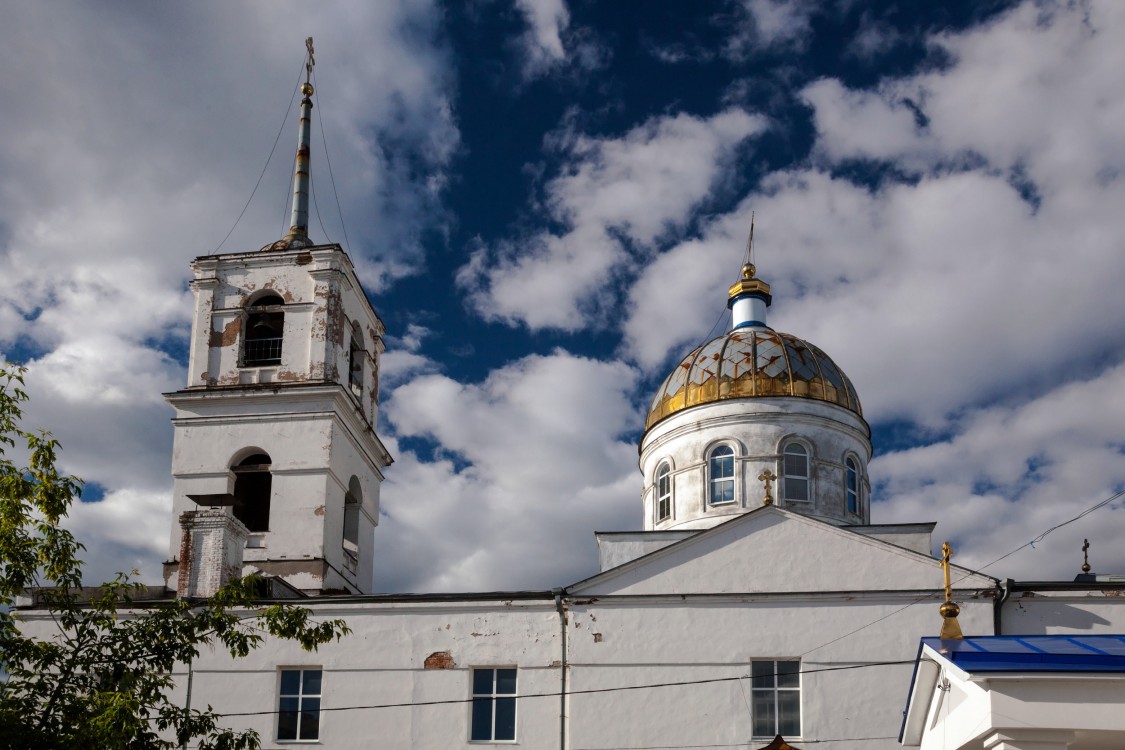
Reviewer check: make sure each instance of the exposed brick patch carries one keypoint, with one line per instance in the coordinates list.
(440, 660)
(597, 637)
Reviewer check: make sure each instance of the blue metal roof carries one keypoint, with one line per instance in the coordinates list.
(1034, 653)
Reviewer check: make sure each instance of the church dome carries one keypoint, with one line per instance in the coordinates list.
(752, 362)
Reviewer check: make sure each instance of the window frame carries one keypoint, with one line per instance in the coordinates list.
(356, 354)
(492, 697)
(301, 696)
(776, 690)
(349, 533)
(712, 480)
(663, 500)
(273, 316)
(853, 494)
(785, 476)
(249, 488)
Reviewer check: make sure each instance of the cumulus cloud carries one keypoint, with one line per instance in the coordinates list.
(954, 243)
(1009, 473)
(771, 24)
(136, 140)
(530, 461)
(614, 198)
(542, 43)
(124, 531)
(960, 284)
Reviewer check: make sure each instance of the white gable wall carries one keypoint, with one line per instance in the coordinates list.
(778, 551)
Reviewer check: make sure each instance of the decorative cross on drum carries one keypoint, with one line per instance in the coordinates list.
(767, 476)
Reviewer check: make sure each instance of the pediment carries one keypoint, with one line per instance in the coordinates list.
(771, 550)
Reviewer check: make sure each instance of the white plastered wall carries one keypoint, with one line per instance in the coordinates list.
(756, 428)
(303, 412)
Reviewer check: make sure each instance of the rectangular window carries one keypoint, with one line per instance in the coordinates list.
(298, 713)
(494, 705)
(776, 701)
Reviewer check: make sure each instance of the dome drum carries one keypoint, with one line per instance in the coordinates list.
(686, 441)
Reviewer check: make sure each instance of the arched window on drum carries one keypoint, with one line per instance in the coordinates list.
(721, 475)
(851, 485)
(795, 472)
(663, 492)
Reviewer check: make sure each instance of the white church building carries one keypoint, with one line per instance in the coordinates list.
(757, 599)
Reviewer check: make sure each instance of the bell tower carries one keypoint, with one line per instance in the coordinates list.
(275, 430)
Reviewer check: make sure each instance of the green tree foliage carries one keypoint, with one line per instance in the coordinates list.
(102, 678)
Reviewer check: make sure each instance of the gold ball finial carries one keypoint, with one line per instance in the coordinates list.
(949, 609)
(306, 89)
(748, 271)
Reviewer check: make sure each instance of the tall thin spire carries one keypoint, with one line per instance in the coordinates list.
(750, 242)
(299, 217)
(749, 297)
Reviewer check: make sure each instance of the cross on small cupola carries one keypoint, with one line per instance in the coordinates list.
(950, 628)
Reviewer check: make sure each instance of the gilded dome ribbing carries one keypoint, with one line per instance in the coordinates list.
(752, 362)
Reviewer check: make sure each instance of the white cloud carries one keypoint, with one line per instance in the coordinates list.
(533, 464)
(771, 24)
(1036, 88)
(953, 290)
(124, 531)
(543, 42)
(873, 38)
(1009, 473)
(136, 141)
(636, 187)
(973, 298)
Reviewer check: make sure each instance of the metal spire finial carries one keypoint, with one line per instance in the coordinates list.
(950, 629)
(749, 297)
(1085, 556)
(310, 61)
(299, 216)
(750, 241)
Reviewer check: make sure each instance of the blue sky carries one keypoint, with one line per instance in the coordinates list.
(546, 200)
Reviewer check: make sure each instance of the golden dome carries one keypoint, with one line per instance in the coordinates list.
(752, 362)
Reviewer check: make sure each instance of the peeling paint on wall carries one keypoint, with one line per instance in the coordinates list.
(229, 334)
(439, 660)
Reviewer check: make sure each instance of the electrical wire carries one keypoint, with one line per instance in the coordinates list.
(932, 597)
(590, 691)
(735, 744)
(265, 167)
(331, 176)
(316, 207)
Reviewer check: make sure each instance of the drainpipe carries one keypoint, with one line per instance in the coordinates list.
(997, 612)
(190, 663)
(562, 667)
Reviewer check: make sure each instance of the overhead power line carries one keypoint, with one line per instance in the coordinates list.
(590, 691)
(931, 597)
(265, 166)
